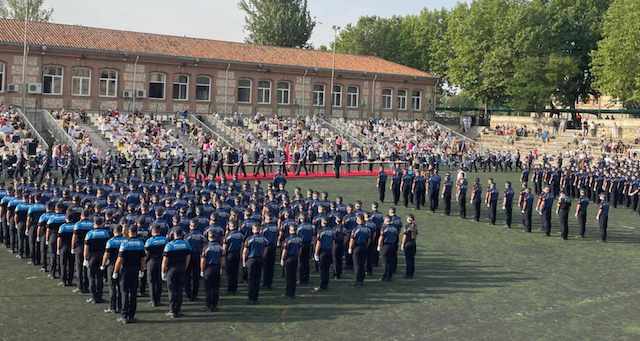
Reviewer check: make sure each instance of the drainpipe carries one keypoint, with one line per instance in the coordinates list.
(373, 94)
(304, 91)
(226, 88)
(135, 87)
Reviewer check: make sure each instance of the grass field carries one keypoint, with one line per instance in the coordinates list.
(473, 282)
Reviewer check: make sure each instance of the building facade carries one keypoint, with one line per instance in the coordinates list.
(59, 75)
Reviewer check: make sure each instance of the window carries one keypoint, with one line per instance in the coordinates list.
(157, 81)
(181, 87)
(387, 99)
(353, 96)
(318, 95)
(284, 88)
(80, 81)
(337, 95)
(108, 83)
(203, 88)
(52, 80)
(402, 99)
(264, 92)
(244, 91)
(416, 100)
(1, 77)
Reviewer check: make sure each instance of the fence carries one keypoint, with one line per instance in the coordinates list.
(43, 143)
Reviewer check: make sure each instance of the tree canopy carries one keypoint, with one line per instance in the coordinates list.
(20, 9)
(286, 23)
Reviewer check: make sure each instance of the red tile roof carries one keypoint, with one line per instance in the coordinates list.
(82, 37)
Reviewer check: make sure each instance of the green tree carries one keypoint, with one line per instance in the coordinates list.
(616, 62)
(286, 23)
(21, 9)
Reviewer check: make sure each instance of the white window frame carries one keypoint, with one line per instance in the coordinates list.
(54, 78)
(80, 80)
(3, 69)
(264, 92)
(353, 97)
(111, 83)
(250, 87)
(281, 91)
(402, 99)
(163, 82)
(387, 98)
(202, 85)
(336, 95)
(318, 95)
(418, 98)
(183, 85)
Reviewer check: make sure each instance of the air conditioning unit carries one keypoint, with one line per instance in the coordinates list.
(34, 88)
(140, 94)
(127, 93)
(13, 88)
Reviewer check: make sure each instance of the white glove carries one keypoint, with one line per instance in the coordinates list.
(281, 262)
(101, 268)
(202, 274)
(164, 276)
(140, 274)
(73, 251)
(46, 243)
(316, 258)
(85, 263)
(379, 249)
(115, 275)
(350, 251)
(38, 239)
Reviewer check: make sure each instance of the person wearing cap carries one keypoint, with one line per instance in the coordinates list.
(358, 247)
(323, 252)
(154, 247)
(232, 246)
(387, 245)
(252, 260)
(210, 263)
(175, 262)
(128, 269)
(197, 242)
(80, 230)
(603, 217)
(95, 243)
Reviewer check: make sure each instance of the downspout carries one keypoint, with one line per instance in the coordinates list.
(373, 94)
(135, 87)
(226, 88)
(304, 90)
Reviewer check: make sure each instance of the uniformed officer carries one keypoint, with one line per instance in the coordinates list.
(447, 191)
(154, 248)
(461, 194)
(407, 182)
(419, 189)
(381, 183)
(176, 259)
(51, 237)
(396, 181)
(544, 208)
(581, 212)
(65, 233)
(232, 251)
(95, 243)
(252, 255)
(358, 248)
(603, 217)
(306, 233)
(323, 252)
(434, 190)
(128, 268)
(291, 249)
(507, 204)
(196, 241)
(108, 262)
(562, 210)
(476, 199)
(210, 263)
(408, 245)
(270, 233)
(491, 200)
(526, 208)
(80, 230)
(388, 247)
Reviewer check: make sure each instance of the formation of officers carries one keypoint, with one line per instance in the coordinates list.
(136, 235)
(599, 183)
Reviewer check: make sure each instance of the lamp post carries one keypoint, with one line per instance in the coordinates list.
(336, 29)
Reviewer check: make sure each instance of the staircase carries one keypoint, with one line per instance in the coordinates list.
(338, 130)
(226, 132)
(97, 139)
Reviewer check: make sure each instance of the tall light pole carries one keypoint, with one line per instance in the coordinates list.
(336, 29)
(24, 58)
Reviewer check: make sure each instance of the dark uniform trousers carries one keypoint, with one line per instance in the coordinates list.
(232, 269)
(55, 259)
(508, 215)
(67, 266)
(176, 285)
(406, 192)
(389, 256)
(371, 257)
(254, 272)
(476, 206)
(396, 195)
(96, 278)
(526, 219)
(325, 266)
(338, 258)
(291, 273)
(21, 237)
(381, 190)
(582, 223)
(192, 278)
(419, 198)
(447, 204)
(81, 271)
(564, 223)
(115, 300)
(268, 266)
(154, 275)
(129, 291)
(305, 254)
(212, 285)
(410, 258)
(493, 207)
(462, 201)
(34, 245)
(546, 222)
(433, 201)
(603, 222)
(359, 258)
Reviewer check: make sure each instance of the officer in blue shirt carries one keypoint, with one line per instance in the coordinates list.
(42, 231)
(447, 191)
(461, 195)
(270, 233)
(291, 249)
(526, 208)
(65, 234)
(407, 182)
(51, 238)
(210, 262)
(252, 259)
(419, 189)
(434, 190)
(108, 262)
(388, 247)
(232, 251)
(358, 248)
(491, 200)
(36, 210)
(564, 205)
(306, 233)
(544, 208)
(197, 242)
(581, 212)
(129, 267)
(176, 261)
(381, 183)
(396, 181)
(154, 247)
(476, 199)
(95, 243)
(323, 252)
(507, 204)
(20, 217)
(80, 230)
(603, 217)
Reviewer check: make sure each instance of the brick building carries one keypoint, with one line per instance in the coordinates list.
(83, 68)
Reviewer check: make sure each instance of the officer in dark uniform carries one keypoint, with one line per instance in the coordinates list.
(388, 247)
(396, 182)
(507, 204)
(381, 183)
(526, 208)
(603, 217)
(491, 200)
(447, 190)
(544, 208)
(252, 255)
(289, 261)
(476, 198)
(95, 243)
(154, 247)
(210, 263)
(305, 232)
(461, 195)
(65, 234)
(337, 163)
(323, 252)
(270, 233)
(176, 259)
(434, 190)
(408, 245)
(581, 212)
(108, 263)
(232, 251)
(196, 241)
(564, 205)
(358, 248)
(80, 230)
(418, 189)
(128, 268)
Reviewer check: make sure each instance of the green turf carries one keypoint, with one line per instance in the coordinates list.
(474, 281)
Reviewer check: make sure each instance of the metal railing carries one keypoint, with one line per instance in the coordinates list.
(199, 122)
(43, 143)
(345, 132)
(56, 130)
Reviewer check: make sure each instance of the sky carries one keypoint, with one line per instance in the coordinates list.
(219, 19)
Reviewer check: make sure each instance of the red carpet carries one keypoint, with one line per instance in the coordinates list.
(291, 175)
